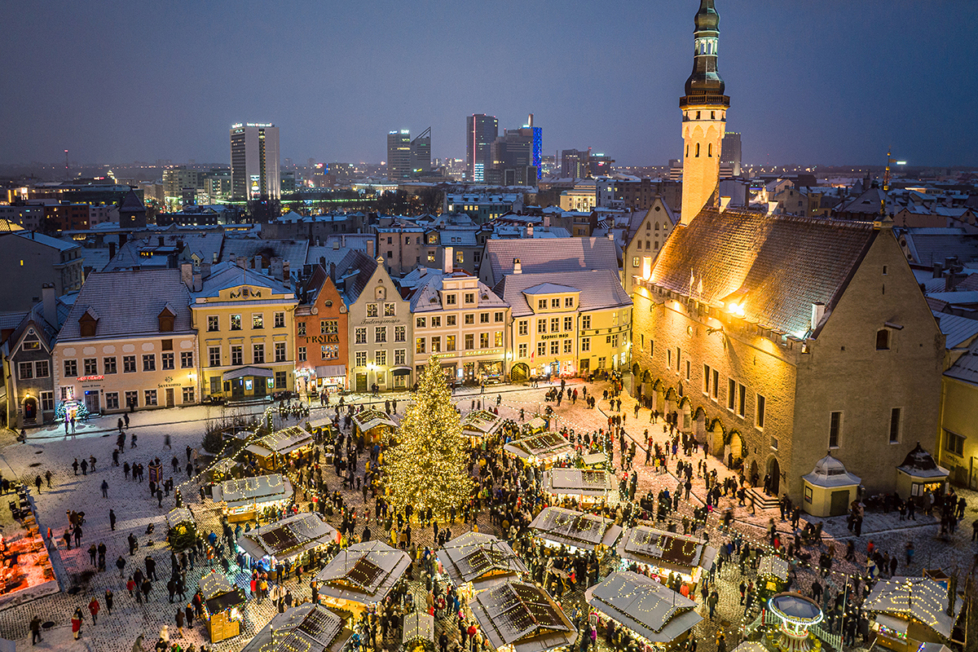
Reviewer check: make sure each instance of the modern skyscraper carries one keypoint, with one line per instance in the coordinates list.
(730, 153)
(481, 131)
(537, 155)
(512, 159)
(254, 161)
(399, 154)
(421, 154)
(704, 108)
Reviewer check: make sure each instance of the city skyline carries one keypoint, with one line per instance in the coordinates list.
(795, 81)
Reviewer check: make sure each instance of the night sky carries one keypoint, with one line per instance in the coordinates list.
(810, 82)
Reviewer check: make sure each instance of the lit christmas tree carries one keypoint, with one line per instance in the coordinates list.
(428, 466)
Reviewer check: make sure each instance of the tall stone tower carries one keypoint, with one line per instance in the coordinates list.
(704, 108)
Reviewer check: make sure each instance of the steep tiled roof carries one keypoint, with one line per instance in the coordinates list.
(599, 289)
(549, 255)
(957, 330)
(293, 251)
(425, 296)
(128, 303)
(228, 275)
(774, 267)
(933, 245)
(357, 263)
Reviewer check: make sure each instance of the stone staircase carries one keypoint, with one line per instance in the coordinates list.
(762, 500)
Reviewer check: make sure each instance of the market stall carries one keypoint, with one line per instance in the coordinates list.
(361, 575)
(909, 611)
(920, 474)
(772, 575)
(556, 526)
(585, 485)
(650, 612)
(537, 425)
(374, 424)
(520, 617)
(418, 633)
(475, 561)
(308, 627)
(665, 554)
(595, 461)
(291, 540)
(244, 499)
(829, 488)
(221, 602)
(541, 449)
(276, 448)
(480, 424)
(181, 528)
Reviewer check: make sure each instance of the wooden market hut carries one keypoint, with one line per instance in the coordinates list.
(556, 526)
(475, 561)
(308, 627)
(361, 575)
(653, 613)
(541, 449)
(373, 424)
(919, 474)
(909, 611)
(585, 485)
(243, 499)
(663, 553)
(221, 602)
(480, 424)
(521, 617)
(274, 449)
(288, 540)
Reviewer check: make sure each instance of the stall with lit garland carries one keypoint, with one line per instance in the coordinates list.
(244, 499)
(541, 449)
(556, 526)
(475, 561)
(373, 424)
(796, 614)
(480, 424)
(772, 575)
(293, 539)
(418, 633)
(908, 611)
(654, 615)
(521, 617)
(181, 528)
(536, 425)
(275, 449)
(920, 474)
(222, 600)
(595, 460)
(584, 485)
(306, 628)
(666, 554)
(361, 576)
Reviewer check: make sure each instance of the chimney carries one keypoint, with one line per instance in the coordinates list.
(111, 250)
(336, 244)
(205, 270)
(187, 274)
(198, 281)
(344, 240)
(529, 230)
(286, 275)
(938, 270)
(611, 235)
(546, 221)
(50, 304)
(517, 266)
(447, 264)
(370, 246)
(257, 263)
(332, 271)
(818, 311)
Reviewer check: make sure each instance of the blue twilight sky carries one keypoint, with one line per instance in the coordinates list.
(810, 81)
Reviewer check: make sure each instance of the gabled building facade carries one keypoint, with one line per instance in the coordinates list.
(645, 242)
(321, 337)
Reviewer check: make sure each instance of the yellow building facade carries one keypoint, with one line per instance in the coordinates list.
(246, 333)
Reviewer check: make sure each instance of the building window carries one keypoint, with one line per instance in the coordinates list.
(635, 258)
(129, 364)
(541, 325)
(380, 334)
(71, 368)
(459, 257)
(469, 342)
(361, 358)
(470, 297)
(585, 344)
(150, 397)
(372, 310)
(328, 326)
(586, 322)
(111, 401)
(280, 355)
(554, 347)
(188, 394)
(716, 384)
(436, 322)
(602, 362)
(882, 339)
(149, 362)
(541, 348)
(132, 399)
(41, 369)
(25, 370)
(468, 319)
(741, 400)
(281, 379)
(688, 369)
(731, 394)
(258, 353)
(522, 350)
(91, 366)
(168, 361)
(541, 304)
(449, 342)
(774, 443)
(213, 323)
(568, 302)
(498, 338)
(187, 360)
(329, 351)
(896, 425)
(499, 317)
(214, 356)
(388, 310)
(280, 320)
(568, 346)
(257, 321)
(109, 365)
(235, 322)
(436, 344)
(300, 328)
(450, 299)
(568, 324)
(237, 355)
(419, 345)
(523, 326)
(668, 358)
(302, 354)
(706, 379)
(835, 429)
(399, 335)
(759, 407)
(360, 335)
(483, 340)
(400, 355)
(484, 318)
(420, 322)
(555, 325)
(953, 443)
(380, 358)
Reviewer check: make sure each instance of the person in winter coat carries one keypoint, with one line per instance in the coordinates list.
(189, 613)
(76, 623)
(138, 645)
(93, 608)
(108, 601)
(165, 634)
(179, 618)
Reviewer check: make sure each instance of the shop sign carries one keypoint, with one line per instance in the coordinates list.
(83, 379)
(554, 336)
(329, 338)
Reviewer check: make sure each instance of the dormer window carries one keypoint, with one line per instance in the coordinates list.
(166, 319)
(88, 323)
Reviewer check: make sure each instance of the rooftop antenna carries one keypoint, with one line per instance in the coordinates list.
(886, 185)
(67, 174)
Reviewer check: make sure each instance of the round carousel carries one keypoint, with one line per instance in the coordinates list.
(797, 614)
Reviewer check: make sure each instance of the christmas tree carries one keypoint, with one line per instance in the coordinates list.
(428, 464)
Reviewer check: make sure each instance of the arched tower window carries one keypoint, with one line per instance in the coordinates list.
(697, 149)
(882, 339)
(709, 149)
